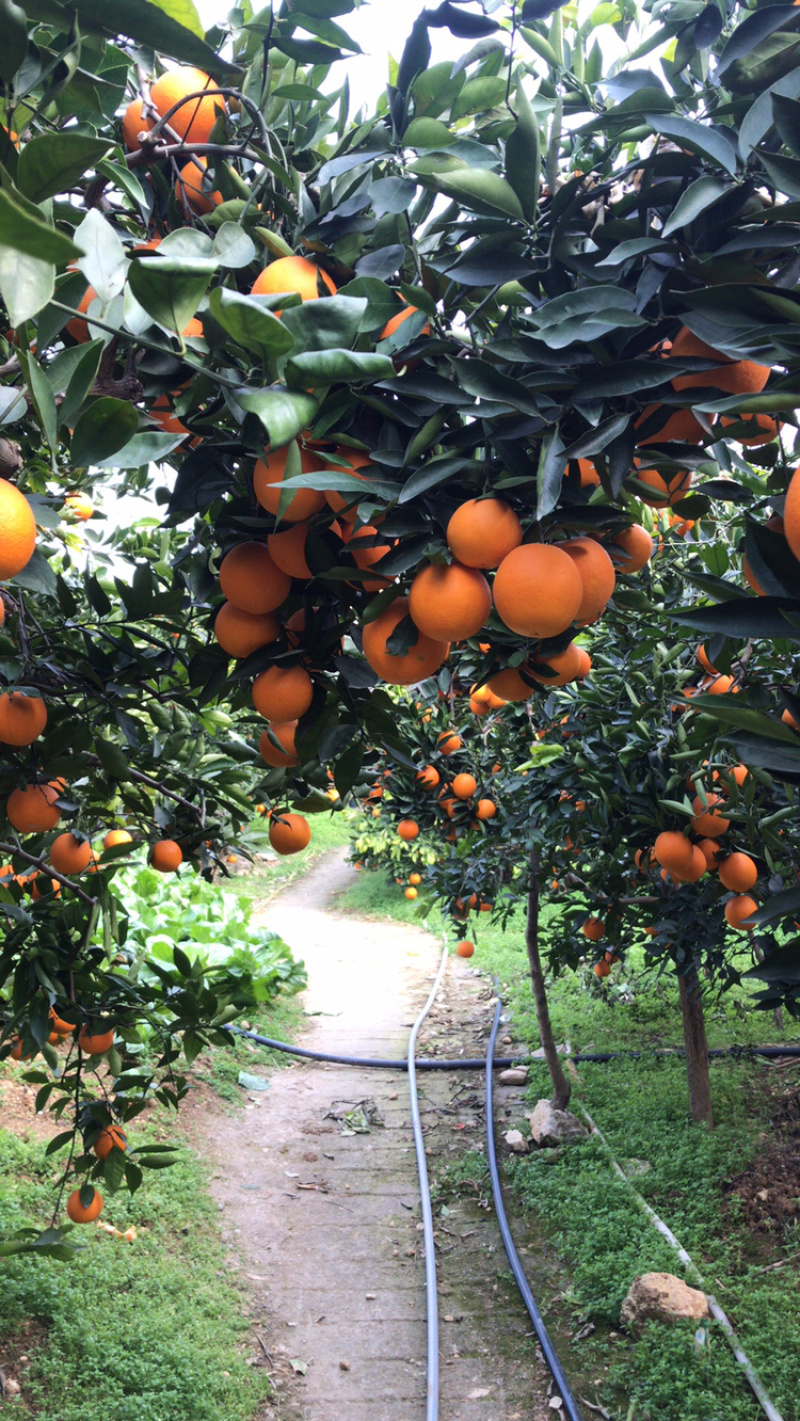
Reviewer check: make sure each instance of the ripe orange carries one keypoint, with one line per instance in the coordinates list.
(676, 425)
(415, 879)
(567, 665)
(22, 718)
(696, 869)
(508, 685)
(241, 633)
(736, 377)
(419, 662)
(95, 1043)
(134, 123)
(78, 328)
(632, 549)
(537, 590)
(79, 505)
(738, 873)
(479, 707)
(448, 742)
(408, 829)
(410, 893)
(464, 786)
(366, 553)
(293, 274)
(483, 531)
(395, 321)
(602, 969)
(597, 575)
(69, 854)
(427, 778)
(111, 1138)
(288, 833)
(284, 731)
(485, 809)
(451, 603)
(194, 120)
(268, 475)
(115, 837)
(791, 513)
(288, 551)
(33, 809)
(702, 657)
(283, 693)
(762, 426)
(190, 189)
(465, 949)
(710, 850)
(17, 531)
(84, 1214)
(737, 909)
(664, 490)
(251, 581)
(594, 929)
(166, 856)
(673, 852)
(705, 821)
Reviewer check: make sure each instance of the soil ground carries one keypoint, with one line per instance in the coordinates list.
(317, 1184)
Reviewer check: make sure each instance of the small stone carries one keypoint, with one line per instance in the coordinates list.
(550, 1126)
(13, 1387)
(515, 1075)
(663, 1298)
(344, 1366)
(516, 1142)
(555, 1403)
(370, 1297)
(507, 1040)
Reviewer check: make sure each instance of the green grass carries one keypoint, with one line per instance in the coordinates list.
(219, 1067)
(151, 1329)
(576, 1202)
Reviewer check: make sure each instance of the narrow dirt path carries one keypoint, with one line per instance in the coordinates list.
(317, 1183)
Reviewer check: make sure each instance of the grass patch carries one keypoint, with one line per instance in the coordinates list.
(219, 1067)
(152, 1329)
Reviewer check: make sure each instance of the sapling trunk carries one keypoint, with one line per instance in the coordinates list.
(696, 1045)
(561, 1086)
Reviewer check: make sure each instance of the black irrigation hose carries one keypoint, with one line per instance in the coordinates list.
(422, 1063)
(542, 1335)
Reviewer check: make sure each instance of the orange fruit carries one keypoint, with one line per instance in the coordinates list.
(537, 590)
(676, 425)
(415, 879)
(84, 1214)
(115, 837)
(161, 412)
(736, 377)
(597, 575)
(79, 329)
(479, 707)
(166, 856)
(508, 685)
(594, 929)
(664, 490)
(241, 633)
(710, 850)
(395, 321)
(791, 513)
(410, 893)
(60, 1025)
(464, 786)
(79, 505)
(696, 869)
(408, 830)
(22, 718)
(427, 778)
(738, 872)
(284, 731)
(134, 123)
(705, 821)
(33, 809)
(702, 657)
(296, 274)
(448, 742)
(17, 531)
(288, 833)
(736, 909)
(345, 504)
(764, 428)
(420, 661)
(567, 665)
(95, 1043)
(602, 969)
(720, 685)
(483, 531)
(113, 1137)
(268, 475)
(191, 191)
(450, 603)
(251, 581)
(283, 693)
(485, 809)
(288, 551)
(69, 854)
(368, 555)
(632, 549)
(195, 118)
(673, 852)
(465, 949)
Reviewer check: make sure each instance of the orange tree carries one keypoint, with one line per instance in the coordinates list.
(319, 340)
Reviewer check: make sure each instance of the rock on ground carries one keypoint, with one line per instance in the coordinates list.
(550, 1126)
(663, 1298)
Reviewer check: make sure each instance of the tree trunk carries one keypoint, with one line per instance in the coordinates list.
(561, 1086)
(696, 1044)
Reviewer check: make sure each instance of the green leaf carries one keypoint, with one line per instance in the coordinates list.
(427, 133)
(479, 190)
(183, 12)
(153, 23)
(85, 363)
(170, 290)
(112, 759)
(523, 155)
(698, 137)
(774, 967)
(52, 163)
(14, 31)
(22, 232)
(148, 447)
(283, 413)
(104, 263)
(106, 426)
(726, 710)
(783, 172)
(42, 396)
(744, 617)
(38, 576)
(232, 247)
(250, 322)
(327, 367)
(331, 321)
